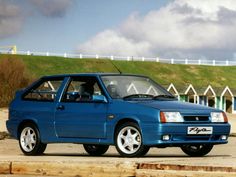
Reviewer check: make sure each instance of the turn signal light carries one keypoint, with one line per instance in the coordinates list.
(225, 117)
(162, 117)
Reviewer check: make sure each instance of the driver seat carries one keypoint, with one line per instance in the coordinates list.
(86, 92)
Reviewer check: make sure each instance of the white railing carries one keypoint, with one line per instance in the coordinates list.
(130, 58)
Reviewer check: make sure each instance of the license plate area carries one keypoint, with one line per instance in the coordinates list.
(200, 130)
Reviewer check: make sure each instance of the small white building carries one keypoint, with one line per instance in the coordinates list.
(221, 98)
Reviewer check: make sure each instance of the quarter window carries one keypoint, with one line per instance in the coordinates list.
(45, 90)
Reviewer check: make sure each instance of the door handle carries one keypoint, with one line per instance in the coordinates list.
(60, 107)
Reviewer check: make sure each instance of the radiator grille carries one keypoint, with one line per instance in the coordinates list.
(196, 118)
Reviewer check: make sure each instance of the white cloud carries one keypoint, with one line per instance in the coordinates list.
(11, 19)
(111, 42)
(182, 29)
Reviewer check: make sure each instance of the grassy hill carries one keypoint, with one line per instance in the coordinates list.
(217, 76)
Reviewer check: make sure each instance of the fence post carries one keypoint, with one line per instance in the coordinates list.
(65, 55)
(28, 52)
(199, 62)
(157, 59)
(213, 62)
(80, 56)
(172, 61)
(186, 61)
(227, 62)
(112, 58)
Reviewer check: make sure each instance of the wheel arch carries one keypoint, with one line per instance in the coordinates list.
(124, 120)
(23, 123)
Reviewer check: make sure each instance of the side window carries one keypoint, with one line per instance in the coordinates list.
(82, 89)
(45, 90)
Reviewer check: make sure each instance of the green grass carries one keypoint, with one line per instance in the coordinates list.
(200, 76)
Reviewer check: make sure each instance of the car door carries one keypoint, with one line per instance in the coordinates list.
(77, 115)
(38, 104)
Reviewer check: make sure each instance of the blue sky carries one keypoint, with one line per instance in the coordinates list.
(82, 20)
(193, 29)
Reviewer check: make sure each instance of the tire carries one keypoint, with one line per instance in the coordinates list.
(197, 150)
(145, 151)
(128, 140)
(29, 140)
(95, 150)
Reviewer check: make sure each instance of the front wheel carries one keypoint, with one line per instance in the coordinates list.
(128, 140)
(29, 140)
(95, 150)
(197, 150)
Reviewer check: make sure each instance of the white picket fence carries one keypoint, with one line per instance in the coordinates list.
(130, 58)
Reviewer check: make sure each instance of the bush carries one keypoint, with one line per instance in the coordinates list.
(13, 76)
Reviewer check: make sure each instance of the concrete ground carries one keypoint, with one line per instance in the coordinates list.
(232, 121)
(221, 160)
(3, 118)
(221, 155)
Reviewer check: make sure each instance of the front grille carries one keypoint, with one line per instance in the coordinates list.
(196, 118)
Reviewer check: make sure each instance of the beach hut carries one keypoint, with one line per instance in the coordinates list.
(221, 98)
(234, 100)
(191, 93)
(227, 100)
(185, 93)
(182, 92)
(210, 96)
(201, 98)
(218, 92)
(171, 88)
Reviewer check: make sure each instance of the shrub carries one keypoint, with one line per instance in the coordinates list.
(13, 76)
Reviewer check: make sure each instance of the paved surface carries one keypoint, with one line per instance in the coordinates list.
(232, 121)
(221, 155)
(3, 118)
(70, 157)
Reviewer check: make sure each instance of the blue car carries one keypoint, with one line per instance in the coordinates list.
(97, 110)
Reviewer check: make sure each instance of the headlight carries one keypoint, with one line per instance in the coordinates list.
(218, 117)
(171, 117)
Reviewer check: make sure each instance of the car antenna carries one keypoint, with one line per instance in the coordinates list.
(116, 67)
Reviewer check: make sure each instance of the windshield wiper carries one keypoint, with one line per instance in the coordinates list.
(164, 96)
(138, 96)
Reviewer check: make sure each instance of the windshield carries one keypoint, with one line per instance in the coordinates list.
(133, 87)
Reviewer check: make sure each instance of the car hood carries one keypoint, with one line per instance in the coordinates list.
(179, 106)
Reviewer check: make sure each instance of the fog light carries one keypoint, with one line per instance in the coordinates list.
(223, 137)
(166, 137)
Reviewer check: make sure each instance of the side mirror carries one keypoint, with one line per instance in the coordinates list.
(99, 99)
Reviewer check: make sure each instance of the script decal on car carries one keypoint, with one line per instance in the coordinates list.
(200, 130)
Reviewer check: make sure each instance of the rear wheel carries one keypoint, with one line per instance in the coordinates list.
(128, 140)
(95, 150)
(197, 150)
(29, 140)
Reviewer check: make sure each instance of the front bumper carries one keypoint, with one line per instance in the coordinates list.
(178, 136)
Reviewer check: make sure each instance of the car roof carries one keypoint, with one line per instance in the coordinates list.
(91, 74)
